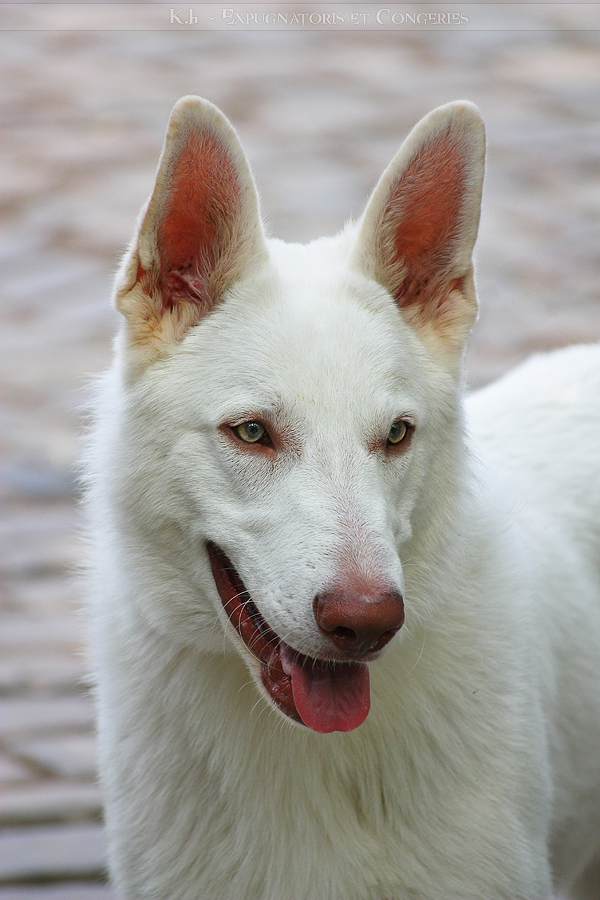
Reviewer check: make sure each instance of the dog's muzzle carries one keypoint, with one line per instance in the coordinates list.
(325, 695)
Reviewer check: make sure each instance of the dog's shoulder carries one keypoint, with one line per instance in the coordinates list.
(547, 393)
(540, 426)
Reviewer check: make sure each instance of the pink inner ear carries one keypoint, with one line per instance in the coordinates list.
(203, 201)
(424, 209)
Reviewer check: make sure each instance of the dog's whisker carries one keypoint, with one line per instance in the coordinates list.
(407, 674)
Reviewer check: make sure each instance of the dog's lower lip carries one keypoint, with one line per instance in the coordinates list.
(254, 631)
(240, 608)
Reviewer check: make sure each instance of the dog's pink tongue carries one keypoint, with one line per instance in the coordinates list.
(328, 697)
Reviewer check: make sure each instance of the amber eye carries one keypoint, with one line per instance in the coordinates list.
(250, 432)
(397, 432)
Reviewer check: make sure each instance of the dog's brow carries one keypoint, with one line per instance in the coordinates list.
(248, 408)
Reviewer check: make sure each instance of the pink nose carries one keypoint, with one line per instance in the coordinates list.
(359, 622)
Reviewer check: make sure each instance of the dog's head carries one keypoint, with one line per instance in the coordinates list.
(291, 427)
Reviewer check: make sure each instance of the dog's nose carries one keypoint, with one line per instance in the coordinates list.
(359, 623)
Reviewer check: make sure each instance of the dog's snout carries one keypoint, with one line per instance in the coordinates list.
(359, 622)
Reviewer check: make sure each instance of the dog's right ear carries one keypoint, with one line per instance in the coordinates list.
(417, 234)
(199, 232)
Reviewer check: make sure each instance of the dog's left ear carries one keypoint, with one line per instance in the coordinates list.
(199, 233)
(417, 234)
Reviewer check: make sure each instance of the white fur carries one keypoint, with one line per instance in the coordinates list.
(476, 775)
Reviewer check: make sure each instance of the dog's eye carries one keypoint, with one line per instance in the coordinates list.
(250, 432)
(397, 432)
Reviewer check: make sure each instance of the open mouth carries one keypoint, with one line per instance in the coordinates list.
(324, 695)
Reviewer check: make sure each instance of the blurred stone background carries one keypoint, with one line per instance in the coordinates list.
(320, 114)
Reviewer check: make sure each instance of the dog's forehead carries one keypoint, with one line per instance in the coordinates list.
(313, 339)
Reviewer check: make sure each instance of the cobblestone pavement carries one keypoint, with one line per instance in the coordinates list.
(320, 114)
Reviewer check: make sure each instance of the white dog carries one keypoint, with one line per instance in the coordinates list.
(343, 651)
